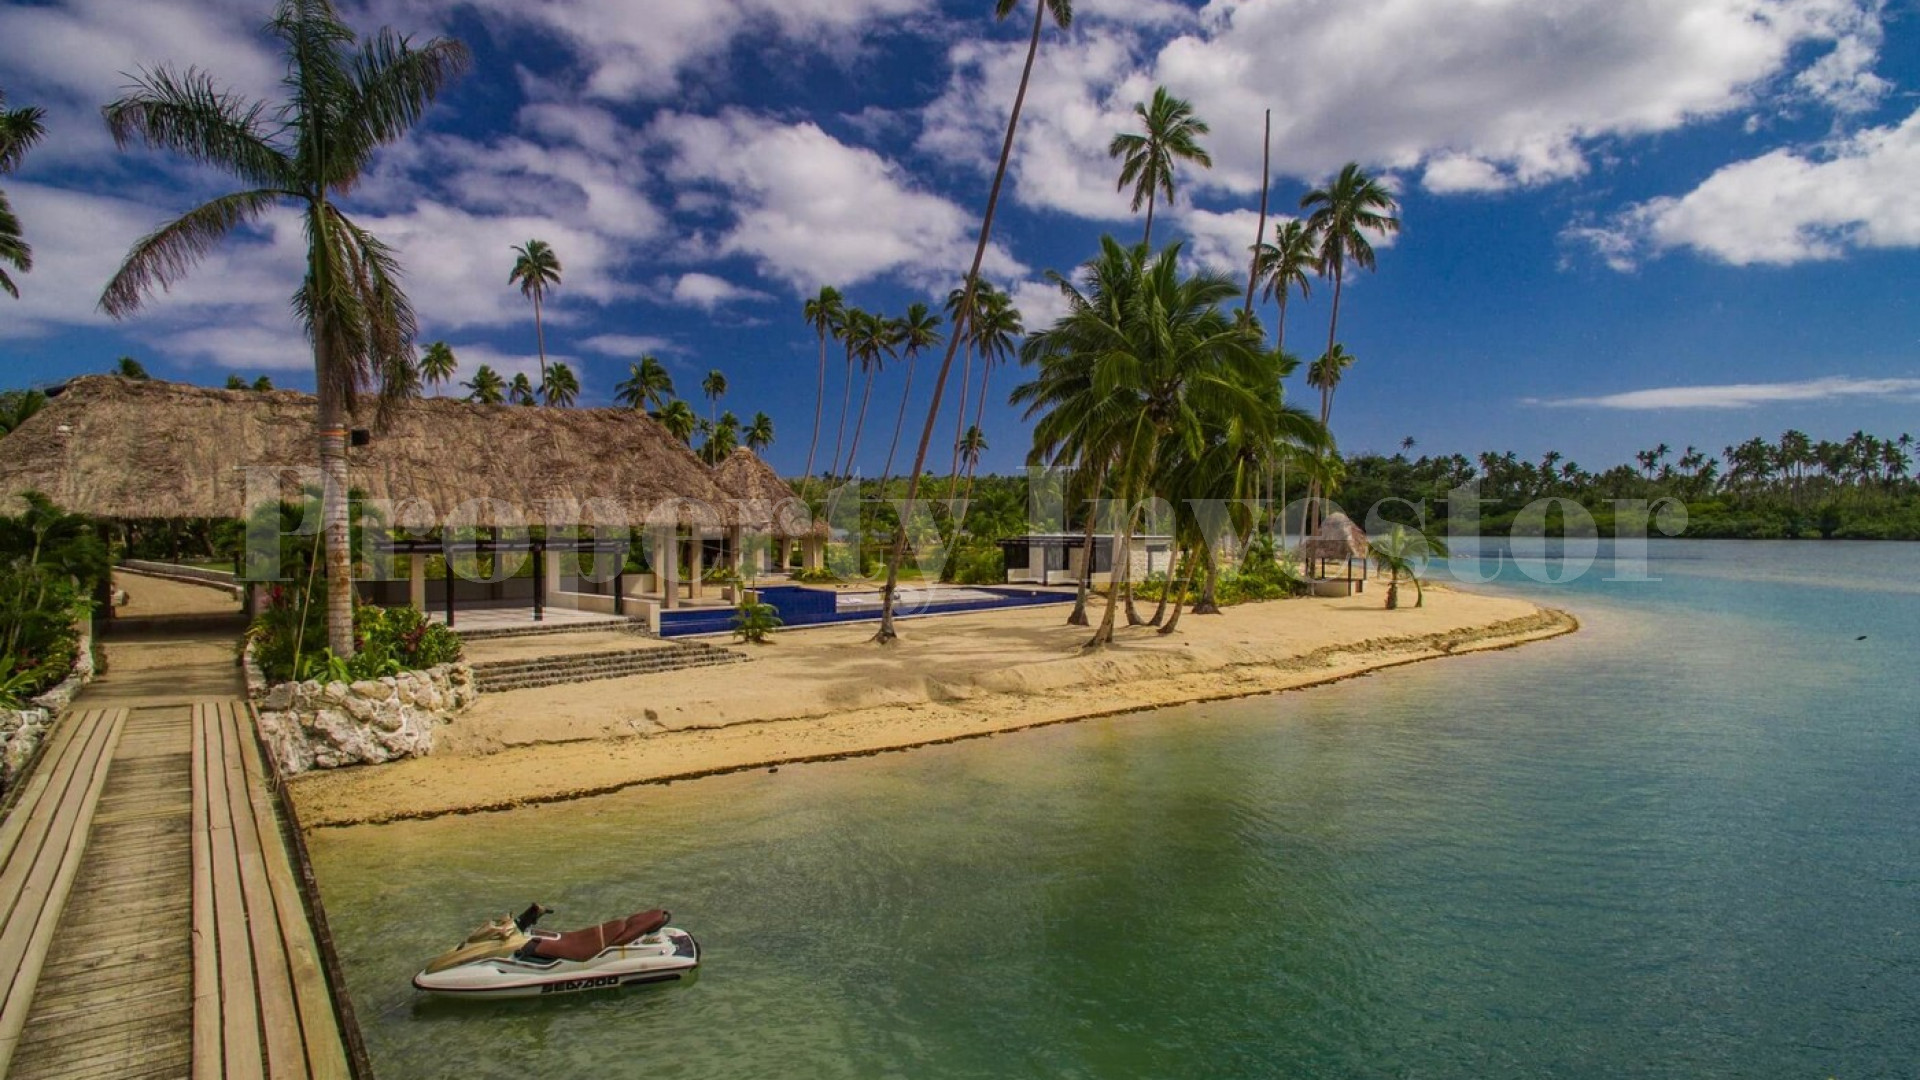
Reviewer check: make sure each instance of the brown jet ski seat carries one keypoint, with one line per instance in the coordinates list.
(583, 945)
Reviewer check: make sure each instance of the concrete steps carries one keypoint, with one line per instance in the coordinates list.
(497, 675)
(534, 629)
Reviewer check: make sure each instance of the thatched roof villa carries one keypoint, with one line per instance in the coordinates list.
(1339, 540)
(137, 449)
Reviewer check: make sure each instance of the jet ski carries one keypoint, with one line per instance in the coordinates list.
(508, 958)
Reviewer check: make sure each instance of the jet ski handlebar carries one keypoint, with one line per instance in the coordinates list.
(527, 918)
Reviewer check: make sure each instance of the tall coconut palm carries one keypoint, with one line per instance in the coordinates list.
(346, 98)
(1170, 131)
(842, 331)
(521, 390)
(647, 385)
(486, 386)
(1341, 215)
(997, 327)
(759, 434)
(19, 130)
(537, 269)
(714, 387)
(871, 336)
(972, 445)
(960, 317)
(1062, 11)
(438, 364)
(1287, 265)
(1325, 374)
(916, 330)
(679, 419)
(723, 435)
(822, 314)
(561, 387)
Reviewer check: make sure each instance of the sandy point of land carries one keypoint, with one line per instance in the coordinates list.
(825, 693)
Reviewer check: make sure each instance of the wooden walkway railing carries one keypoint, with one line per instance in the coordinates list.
(41, 843)
(261, 1006)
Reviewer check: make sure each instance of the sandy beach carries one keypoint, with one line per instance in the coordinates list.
(826, 693)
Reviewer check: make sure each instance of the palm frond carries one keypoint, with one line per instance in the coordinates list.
(163, 257)
(187, 114)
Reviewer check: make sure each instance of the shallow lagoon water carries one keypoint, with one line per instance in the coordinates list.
(1684, 842)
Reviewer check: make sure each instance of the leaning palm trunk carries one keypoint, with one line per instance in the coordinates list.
(1186, 584)
(960, 418)
(1160, 609)
(886, 474)
(1118, 578)
(1079, 615)
(866, 396)
(819, 401)
(840, 437)
(887, 632)
(979, 414)
(1207, 604)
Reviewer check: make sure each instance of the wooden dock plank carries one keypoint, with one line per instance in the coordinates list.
(53, 837)
(325, 1050)
(273, 981)
(207, 1060)
(240, 1022)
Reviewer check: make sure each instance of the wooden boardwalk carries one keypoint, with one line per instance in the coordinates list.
(151, 920)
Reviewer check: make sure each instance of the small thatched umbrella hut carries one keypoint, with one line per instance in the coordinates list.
(1338, 539)
(118, 448)
(763, 504)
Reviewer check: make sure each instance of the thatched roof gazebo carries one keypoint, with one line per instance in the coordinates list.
(473, 475)
(1338, 539)
(121, 448)
(765, 503)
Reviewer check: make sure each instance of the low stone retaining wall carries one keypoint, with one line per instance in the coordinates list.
(22, 729)
(315, 725)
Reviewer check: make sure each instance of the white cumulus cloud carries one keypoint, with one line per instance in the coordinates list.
(1743, 395)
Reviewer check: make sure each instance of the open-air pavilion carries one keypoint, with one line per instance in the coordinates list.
(569, 491)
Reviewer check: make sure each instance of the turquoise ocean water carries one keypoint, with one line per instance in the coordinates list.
(1684, 842)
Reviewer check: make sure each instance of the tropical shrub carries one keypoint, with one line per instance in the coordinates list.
(977, 562)
(50, 563)
(754, 622)
(721, 575)
(822, 576)
(289, 634)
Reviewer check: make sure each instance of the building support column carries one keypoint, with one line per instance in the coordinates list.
(417, 582)
(696, 562)
(666, 567)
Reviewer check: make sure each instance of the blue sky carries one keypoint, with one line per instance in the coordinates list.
(1626, 221)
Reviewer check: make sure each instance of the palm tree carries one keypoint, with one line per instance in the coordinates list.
(347, 98)
(723, 435)
(1325, 374)
(1402, 552)
(403, 382)
(917, 329)
(1146, 159)
(1145, 356)
(871, 337)
(960, 316)
(1285, 265)
(536, 269)
(1062, 11)
(714, 386)
(560, 387)
(972, 445)
(19, 130)
(997, 324)
(822, 313)
(679, 419)
(438, 364)
(647, 385)
(521, 391)
(17, 405)
(1343, 213)
(128, 368)
(486, 386)
(842, 331)
(759, 433)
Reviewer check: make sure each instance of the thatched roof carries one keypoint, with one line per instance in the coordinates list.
(120, 448)
(763, 500)
(1338, 538)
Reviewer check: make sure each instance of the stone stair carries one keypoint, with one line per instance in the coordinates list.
(534, 629)
(497, 675)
